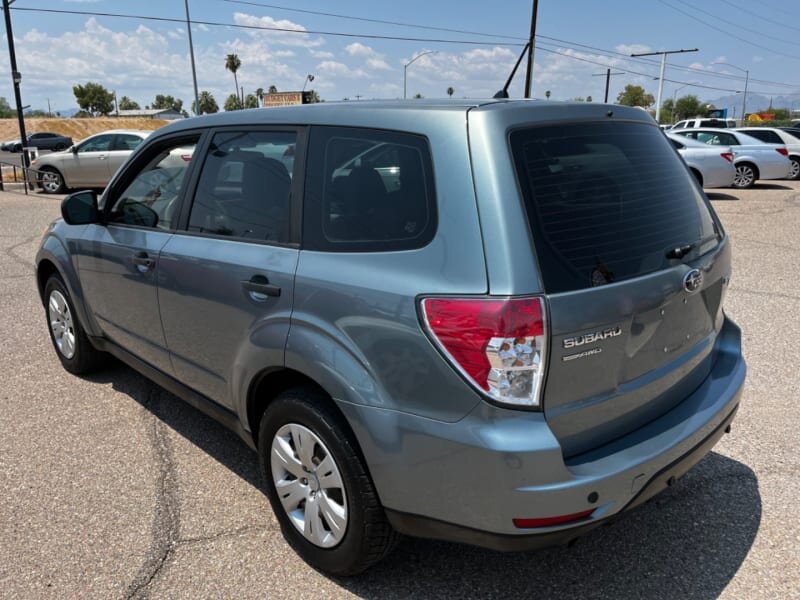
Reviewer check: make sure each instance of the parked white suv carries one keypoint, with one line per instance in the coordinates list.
(716, 123)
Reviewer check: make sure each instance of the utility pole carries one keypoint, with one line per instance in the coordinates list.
(16, 77)
(191, 54)
(531, 41)
(608, 75)
(663, 54)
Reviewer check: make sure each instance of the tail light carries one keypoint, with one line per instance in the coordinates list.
(727, 156)
(783, 151)
(498, 344)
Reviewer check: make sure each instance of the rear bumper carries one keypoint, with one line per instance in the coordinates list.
(467, 481)
(774, 169)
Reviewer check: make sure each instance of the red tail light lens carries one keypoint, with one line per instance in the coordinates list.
(727, 156)
(498, 343)
(551, 521)
(783, 151)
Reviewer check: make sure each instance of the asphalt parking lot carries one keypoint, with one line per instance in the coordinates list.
(112, 487)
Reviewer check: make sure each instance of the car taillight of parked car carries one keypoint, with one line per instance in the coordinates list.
(783, 151)
(499, 344)
(727, 156)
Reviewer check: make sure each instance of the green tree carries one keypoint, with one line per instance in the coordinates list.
(689, 106)
(273, 89)
(313, 97)
(579, 99)
(207, 103)
(667, 111)
(418, 96)
(781, 114)
(163, 102)
(250, 101)
(588, 98)
(634, 95)
(5, 109)
(94, 98)
(450, 91)
(232, 64)
(126, 103)
(233, 102)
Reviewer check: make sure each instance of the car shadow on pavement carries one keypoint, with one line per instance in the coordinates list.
(688, 542)
(771, 186)
(720, 196)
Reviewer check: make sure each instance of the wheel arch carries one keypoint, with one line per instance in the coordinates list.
(49, 167)
(697, 175)
(751, 164)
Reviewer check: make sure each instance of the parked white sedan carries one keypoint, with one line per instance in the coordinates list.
(90, 163)
(775, 135)
(752, 158)
(713, 167)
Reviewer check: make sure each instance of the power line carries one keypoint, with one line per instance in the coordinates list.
(759, 16)
(728, 33)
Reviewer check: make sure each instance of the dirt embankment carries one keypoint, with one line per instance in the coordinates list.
(77, 129)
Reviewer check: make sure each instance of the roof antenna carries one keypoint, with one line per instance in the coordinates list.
(504, 92)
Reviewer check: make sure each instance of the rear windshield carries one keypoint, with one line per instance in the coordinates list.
(606, 202)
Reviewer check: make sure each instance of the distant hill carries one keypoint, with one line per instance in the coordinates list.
(77, 129)
(755, 102)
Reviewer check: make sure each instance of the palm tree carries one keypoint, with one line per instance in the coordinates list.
(232, 64)
(450, 91)
(207, 104)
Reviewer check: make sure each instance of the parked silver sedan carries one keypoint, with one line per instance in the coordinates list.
(752, 158)
(88, 164)
(711, 166)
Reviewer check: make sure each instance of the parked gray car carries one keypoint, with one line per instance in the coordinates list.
(91, 163)
(493, 322)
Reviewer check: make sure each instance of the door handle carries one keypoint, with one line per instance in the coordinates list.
(143, 262)
(259, 288)
(102, 157)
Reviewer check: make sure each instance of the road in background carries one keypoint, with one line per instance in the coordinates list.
(112, 487)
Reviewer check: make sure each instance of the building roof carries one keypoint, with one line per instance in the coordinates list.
(147, 112)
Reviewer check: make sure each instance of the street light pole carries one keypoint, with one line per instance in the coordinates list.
(674, 99)
(607, 75)
(746, 81)
(191, 54)
(16, 77)
(405, 68)
(663, 54)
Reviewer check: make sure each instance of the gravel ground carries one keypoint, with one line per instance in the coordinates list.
(111, 487)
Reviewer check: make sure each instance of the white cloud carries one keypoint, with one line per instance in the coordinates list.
(378, 64)
(758, 59)
(277, 31)
(332, 68)
(321, 54)
(632, 48)
(357, 49)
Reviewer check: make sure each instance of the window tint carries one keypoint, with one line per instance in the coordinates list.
(717, 138)
(368, 191)
(151, 199)
(764, 135)
(713, 123)
(244, 187)
(606, 201)
(677, 144)
(101, 143)
(126, 141)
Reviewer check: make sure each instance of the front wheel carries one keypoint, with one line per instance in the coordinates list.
(73, 348)
(319, 487)
(52, 181)
(745, 176)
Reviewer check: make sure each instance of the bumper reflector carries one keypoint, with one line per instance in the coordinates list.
(550, 521)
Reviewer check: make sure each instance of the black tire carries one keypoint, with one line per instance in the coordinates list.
(746, 175)
(51, 181)
(795, 173)
(368, 536)
(85, 358)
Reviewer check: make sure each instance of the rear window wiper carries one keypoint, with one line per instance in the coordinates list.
(680, 251)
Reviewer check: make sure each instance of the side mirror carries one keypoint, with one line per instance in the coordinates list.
(80, 208)
(74, 149)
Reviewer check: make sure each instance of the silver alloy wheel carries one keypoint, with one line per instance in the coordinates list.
(745, 176)
(61, 324)
(309, 485)
(795, 172)
(51, 181)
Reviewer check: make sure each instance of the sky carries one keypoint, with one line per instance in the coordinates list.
(576, 39)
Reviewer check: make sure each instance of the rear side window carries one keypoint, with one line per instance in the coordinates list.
(368, 191)
(764, 135)
(606, 202)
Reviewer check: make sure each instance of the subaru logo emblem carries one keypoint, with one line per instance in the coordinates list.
(693, 280)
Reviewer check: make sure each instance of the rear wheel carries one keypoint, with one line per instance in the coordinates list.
(73, 348)
(52, 181)
(794, 173)
(319, 486)
(746, 176)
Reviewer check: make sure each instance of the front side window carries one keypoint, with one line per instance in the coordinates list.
(151, 199)
(368, 191)
(244, 187)
(100, 143)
